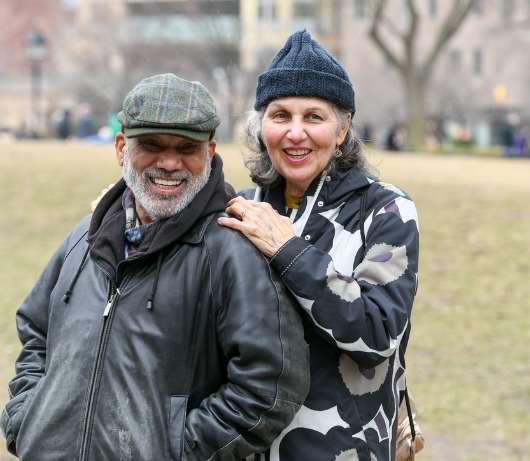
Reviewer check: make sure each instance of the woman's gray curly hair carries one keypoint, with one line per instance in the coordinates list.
(262, 171)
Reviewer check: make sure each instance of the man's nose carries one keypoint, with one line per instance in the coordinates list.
(169, 161)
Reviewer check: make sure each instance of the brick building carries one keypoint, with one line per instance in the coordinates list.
(17, 19)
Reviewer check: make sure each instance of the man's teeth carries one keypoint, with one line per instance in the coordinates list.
(167, 182)
(297, 153)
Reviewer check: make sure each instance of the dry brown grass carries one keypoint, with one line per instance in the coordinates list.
(469, 366)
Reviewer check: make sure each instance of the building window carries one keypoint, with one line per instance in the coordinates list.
(508, 7)
(306, 15)
(268, 10)
(477, 61)
(454, 60)
(433, 8)
(70, 5)
(478, 7)
(304, 8)
(407, 9)
(360, 9)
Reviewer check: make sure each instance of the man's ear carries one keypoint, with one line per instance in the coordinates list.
(212, 144)
(120, 143)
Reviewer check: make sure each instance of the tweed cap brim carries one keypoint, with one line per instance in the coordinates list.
(198, 136)
(167, 104)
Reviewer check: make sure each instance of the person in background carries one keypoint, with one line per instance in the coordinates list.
(507, 134)
(63, 126)
(368, 134)
(154, 333)
(394, 139)
(85, 124)
(521, 141)
(345, 244)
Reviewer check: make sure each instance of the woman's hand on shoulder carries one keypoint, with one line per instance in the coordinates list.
(258, 221)
(94, 203)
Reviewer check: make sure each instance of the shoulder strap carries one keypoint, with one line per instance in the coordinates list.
(362, 215)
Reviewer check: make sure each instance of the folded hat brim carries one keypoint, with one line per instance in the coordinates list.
(198, 136)
(284, 82)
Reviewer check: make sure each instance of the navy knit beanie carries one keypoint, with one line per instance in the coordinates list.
(304, 68)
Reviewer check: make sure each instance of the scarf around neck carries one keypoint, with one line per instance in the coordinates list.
(106, 233)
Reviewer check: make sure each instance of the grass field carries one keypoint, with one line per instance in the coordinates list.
(468, 359)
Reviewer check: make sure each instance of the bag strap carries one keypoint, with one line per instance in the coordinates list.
(363, 238)
(362, 215)
(409, 412)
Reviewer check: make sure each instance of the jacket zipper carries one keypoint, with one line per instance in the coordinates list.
(93, 390)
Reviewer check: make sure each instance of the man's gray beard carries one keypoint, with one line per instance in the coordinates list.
(159, 206)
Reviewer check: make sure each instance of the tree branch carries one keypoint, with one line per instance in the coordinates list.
(410, 36)
(454, 19)
(377, 19)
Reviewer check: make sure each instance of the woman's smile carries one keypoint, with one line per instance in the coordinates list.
(297, 155)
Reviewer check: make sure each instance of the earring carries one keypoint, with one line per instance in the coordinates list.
(337, 153)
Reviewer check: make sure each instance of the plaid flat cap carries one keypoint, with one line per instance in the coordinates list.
(167, 104)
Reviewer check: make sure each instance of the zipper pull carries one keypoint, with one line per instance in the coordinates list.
(109, 303)
(108, 306)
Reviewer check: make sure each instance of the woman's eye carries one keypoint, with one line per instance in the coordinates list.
(280, 115)
(315, 117)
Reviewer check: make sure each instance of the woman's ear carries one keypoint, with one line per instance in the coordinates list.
(344, 130)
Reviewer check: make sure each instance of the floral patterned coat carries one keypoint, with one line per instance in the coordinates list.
(358, 301)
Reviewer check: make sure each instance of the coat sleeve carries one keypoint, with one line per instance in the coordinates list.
(261, 335)
(365, 312)
(32, 326)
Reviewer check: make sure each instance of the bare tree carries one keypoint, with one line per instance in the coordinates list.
(414, 71)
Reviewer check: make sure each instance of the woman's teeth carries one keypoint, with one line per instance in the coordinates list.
(297, 153)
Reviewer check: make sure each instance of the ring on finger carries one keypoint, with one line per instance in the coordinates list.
(243, 213)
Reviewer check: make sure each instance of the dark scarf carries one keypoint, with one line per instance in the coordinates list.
(106, 233)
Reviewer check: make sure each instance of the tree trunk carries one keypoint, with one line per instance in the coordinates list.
(415, 74)
(415, 92)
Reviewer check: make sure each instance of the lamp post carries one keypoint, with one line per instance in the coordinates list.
(221, 77)
(36, 52)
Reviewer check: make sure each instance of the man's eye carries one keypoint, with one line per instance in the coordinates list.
(149, 145)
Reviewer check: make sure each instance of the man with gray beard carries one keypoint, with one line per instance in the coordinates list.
(154, 333)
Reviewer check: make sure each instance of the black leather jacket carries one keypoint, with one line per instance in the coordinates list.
(213, 370)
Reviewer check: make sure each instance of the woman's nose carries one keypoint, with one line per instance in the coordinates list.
(296, 131)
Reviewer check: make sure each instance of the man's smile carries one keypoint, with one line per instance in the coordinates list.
(166, 183)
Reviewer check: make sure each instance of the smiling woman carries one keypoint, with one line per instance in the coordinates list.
(313, 184)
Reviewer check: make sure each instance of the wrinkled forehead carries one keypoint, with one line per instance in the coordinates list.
(301, 101)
